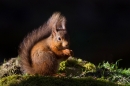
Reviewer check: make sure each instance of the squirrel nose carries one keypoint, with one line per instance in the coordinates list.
(65, 44)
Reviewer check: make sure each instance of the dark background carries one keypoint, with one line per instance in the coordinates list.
(99, 29)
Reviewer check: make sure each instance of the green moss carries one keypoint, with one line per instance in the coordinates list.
(27, 80)
(76, 67)
(62, 66)
(78, 73)
(89, 67)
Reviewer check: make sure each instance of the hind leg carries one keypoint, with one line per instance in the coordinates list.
(44, 63)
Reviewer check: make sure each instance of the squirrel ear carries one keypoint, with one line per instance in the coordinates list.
(57, 21)
(61, 23)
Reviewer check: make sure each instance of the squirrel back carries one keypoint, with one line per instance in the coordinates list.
(43, 49)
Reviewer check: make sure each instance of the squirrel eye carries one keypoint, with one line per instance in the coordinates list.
(59, 38)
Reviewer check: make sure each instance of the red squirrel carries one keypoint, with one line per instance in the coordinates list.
(44, 48)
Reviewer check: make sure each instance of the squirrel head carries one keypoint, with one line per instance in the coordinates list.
(60, 38)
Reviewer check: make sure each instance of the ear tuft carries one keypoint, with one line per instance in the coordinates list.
(57, 21)
(63, 23)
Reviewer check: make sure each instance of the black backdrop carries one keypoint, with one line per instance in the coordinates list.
(99, 29)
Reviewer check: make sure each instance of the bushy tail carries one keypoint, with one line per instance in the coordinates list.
(34, 37)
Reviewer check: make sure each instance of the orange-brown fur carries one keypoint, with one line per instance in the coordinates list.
(43, 49)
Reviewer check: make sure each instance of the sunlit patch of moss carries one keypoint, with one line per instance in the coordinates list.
(89, 67)
(8, 81)
(62, 66)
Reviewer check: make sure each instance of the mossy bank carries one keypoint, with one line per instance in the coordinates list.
(78, 73)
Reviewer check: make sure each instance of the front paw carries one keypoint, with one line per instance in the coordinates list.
(68, 52)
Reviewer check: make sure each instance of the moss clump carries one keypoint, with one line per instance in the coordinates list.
(76, 67)
(10, 67)
(89, 67)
